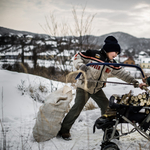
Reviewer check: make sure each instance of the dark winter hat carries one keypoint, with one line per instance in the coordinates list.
(111, 45)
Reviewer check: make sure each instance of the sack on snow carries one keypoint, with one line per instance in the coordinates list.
(50, 115)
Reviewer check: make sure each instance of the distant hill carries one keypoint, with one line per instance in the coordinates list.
(16, 32)
(125, 40)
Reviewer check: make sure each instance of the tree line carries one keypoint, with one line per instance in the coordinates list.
(60, 37)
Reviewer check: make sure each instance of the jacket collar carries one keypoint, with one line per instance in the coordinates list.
(104, 56)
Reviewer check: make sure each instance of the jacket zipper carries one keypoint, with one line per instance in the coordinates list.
(99, 78)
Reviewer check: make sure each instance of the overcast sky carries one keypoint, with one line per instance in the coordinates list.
(129, 16)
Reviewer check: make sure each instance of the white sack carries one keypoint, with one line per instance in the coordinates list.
(50, 115)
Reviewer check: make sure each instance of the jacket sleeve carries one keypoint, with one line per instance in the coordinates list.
(78, 60)
(123, 75)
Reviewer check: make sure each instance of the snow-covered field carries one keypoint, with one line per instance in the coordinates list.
(18, 112)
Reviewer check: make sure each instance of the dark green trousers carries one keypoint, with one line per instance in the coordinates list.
(80, 101)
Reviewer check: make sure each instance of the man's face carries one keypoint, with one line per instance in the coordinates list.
(112, 55)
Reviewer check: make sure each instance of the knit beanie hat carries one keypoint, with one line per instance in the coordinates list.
(111, 45)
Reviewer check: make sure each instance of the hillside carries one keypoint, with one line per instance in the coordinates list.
(126, 41)
(20, 111)
(17, 32)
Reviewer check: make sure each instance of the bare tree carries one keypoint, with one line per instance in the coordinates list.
(55, 28)
(67, 37)
(82, 27)
(13, 43)
(60, 34)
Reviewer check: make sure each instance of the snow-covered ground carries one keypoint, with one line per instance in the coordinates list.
(18, 112)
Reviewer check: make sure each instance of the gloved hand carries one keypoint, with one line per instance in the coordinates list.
(136, 84)
(83, 68)
(142, 85)
(144, 79)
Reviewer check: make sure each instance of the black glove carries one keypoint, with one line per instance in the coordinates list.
(83, 68)
(136, 84)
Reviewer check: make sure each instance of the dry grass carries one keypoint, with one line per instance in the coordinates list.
(49, 73)
(34, 92)
(42, 88)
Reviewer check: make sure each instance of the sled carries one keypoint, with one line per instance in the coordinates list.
(127, 108)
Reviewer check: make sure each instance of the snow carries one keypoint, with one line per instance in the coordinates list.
(145, 60)
(18, 112)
